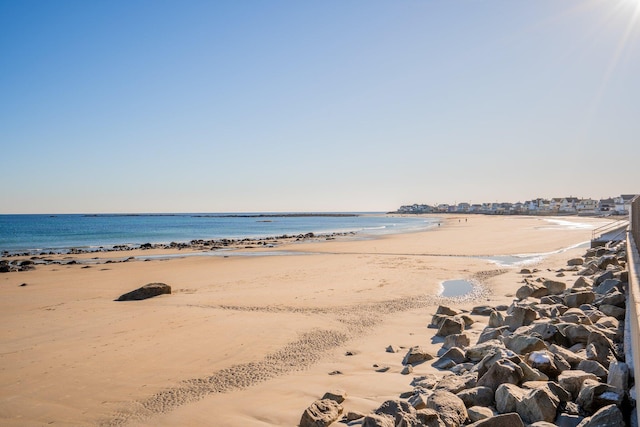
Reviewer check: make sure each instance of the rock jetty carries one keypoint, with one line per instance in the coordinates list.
(553, 357)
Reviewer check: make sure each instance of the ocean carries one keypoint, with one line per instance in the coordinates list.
(59, 233)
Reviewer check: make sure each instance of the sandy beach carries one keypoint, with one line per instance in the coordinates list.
(251, 340)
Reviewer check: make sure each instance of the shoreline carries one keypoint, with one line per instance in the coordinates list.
(266, 330)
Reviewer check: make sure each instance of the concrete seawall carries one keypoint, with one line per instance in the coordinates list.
(632, 326)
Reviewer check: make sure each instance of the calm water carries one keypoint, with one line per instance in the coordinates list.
(456, 288)
(34, 233)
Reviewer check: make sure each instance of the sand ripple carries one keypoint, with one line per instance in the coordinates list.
(308, 349)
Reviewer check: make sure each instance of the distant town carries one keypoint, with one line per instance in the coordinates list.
(557, 206)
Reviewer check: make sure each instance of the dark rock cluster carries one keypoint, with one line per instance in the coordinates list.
(553, 357)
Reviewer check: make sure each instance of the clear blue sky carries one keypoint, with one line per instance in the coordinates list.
(360, 105)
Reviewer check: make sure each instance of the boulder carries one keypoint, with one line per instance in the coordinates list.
(476, 396)
(568, 420)
(477, 413)
(599, 348)
(447, 311)
(503, 420)
(616, 298)
(595, 368)
(455, 354)
(607, 285)
(489, 334)
(522, 344)
(548, 363)
(456, 383)
(337, 395)
(572, 358)
(607, 416)
(577, 333)
(538, 405)
(576, 299)
(477, 352)
(393, 349)
(595, 395)
(375, 420)
(582, 282)
(456, 340)
(450, 408)
(520, 316)
(502, 372)
(531, 290)
(532, 374)
(613, 311)
(482, 310)
(147, 291)
(496, 319)
(416, 355)
(554, 287)
(450, 325)
(572, 380)
(321, 413)
(392, 413)
(618, 375)
(429, 418)
(418, 400)
(575, 261)
(507, 397)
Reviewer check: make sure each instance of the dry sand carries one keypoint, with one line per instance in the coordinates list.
(248, 340)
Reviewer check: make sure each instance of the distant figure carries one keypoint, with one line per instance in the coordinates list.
(465, 220)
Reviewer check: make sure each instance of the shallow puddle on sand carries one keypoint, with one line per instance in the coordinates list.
(456, 288)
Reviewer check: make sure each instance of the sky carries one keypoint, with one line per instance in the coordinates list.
(279, 106)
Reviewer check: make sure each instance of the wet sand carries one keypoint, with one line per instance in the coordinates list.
(248, 340)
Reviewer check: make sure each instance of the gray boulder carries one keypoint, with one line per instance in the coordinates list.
(337, 395)
(618, 375)
(554, 287)
(456, 340)
(538, 405)
(392, 413)
(507, 397)
(447, 311)
(456, 383)
(608, 416)
(502, 372)
(572, 381)
(595, 368)
(595, 395)
(477, 413)
(576, 299)
(449, 326)
(503, 420)
(476, 396)
(520, 316)
(147, 291)
(416, 355)
(449, 406)
(522, 344)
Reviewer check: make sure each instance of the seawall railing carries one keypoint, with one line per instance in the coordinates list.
(632, 327)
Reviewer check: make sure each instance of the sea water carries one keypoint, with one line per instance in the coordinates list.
(57, 233)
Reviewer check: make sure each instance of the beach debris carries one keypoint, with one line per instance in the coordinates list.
(147, 291)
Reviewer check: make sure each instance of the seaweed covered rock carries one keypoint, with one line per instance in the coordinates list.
(147, 291)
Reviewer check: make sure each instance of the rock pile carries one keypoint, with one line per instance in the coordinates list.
(553, 357)
(16, 265)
